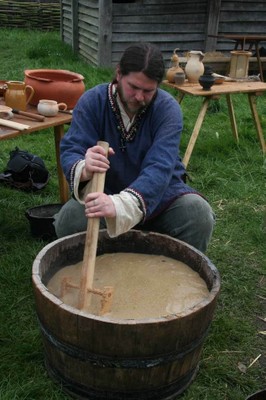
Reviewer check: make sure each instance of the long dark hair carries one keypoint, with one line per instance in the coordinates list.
(143, 57)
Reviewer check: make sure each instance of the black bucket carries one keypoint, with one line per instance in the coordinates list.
(41, 220)
(261, 395)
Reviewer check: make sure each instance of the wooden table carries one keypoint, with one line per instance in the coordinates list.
(252, 89)
(57, 123)
(242, 40)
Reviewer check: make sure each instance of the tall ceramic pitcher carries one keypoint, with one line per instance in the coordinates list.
(18, 95)
(194, 67)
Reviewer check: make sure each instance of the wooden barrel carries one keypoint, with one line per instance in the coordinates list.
(101, 358)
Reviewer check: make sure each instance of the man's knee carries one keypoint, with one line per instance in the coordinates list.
(194, 220)
(196, 208)
(70, 219)
(200, 212)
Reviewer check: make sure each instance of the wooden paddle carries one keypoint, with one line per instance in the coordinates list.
(90, 250)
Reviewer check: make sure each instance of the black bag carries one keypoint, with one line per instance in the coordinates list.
(25, 171)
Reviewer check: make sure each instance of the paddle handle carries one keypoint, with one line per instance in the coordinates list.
(91, 241)
(28, 114)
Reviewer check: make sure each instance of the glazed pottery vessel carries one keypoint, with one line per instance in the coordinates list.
(18, 95)
(207, 79)
(60, 85)
(175, 68)
(194, 67)
(179, 78)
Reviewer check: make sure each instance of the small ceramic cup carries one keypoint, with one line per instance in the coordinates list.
(179, 78)
(6, 112)
(50, 108)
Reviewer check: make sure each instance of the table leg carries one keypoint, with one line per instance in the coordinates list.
(63, 185)
(196, 130)
(232, 116)
(180, 97)
(259, 61)
(252, 103)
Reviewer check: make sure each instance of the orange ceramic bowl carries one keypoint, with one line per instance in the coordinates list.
(55, 84)
(219, 80)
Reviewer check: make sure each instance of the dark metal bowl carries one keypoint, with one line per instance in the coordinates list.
(41, 220)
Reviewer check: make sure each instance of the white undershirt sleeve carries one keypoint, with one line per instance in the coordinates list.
(128, 212)
(79, 193)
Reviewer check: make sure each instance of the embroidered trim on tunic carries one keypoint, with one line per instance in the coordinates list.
(125, 135)
(140, 199)
(72, 175)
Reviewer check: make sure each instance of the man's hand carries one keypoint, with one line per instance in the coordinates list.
(95, 161)
(99, 205)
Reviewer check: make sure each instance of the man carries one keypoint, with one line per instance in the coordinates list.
(144, 186)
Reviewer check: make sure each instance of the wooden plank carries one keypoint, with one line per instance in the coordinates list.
(89, 4)
(89, 30)
(156, 37)
(89, 12)
(213, 7)
(156, 28)
(166, 47)
(83, 27)
(92, 50)
(89, 56)
(139, 9)
(238, 6)
(93, 42)
(105, 33)
(89, 21)
(181, 19)
(181, 3)
(243, 18)
(75, 27)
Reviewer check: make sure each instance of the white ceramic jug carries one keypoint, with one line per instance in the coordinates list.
(194, 67)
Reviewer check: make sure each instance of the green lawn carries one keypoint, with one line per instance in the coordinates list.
(230, 175)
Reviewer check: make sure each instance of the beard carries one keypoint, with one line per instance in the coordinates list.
(130, 106)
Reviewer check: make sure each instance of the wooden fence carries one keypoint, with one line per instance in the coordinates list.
(42, 15)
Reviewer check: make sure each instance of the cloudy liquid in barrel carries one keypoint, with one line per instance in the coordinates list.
(145, 285)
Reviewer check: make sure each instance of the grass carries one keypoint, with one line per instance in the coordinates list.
(230, 175)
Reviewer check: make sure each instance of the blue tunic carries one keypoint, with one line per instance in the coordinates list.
(146, 162)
